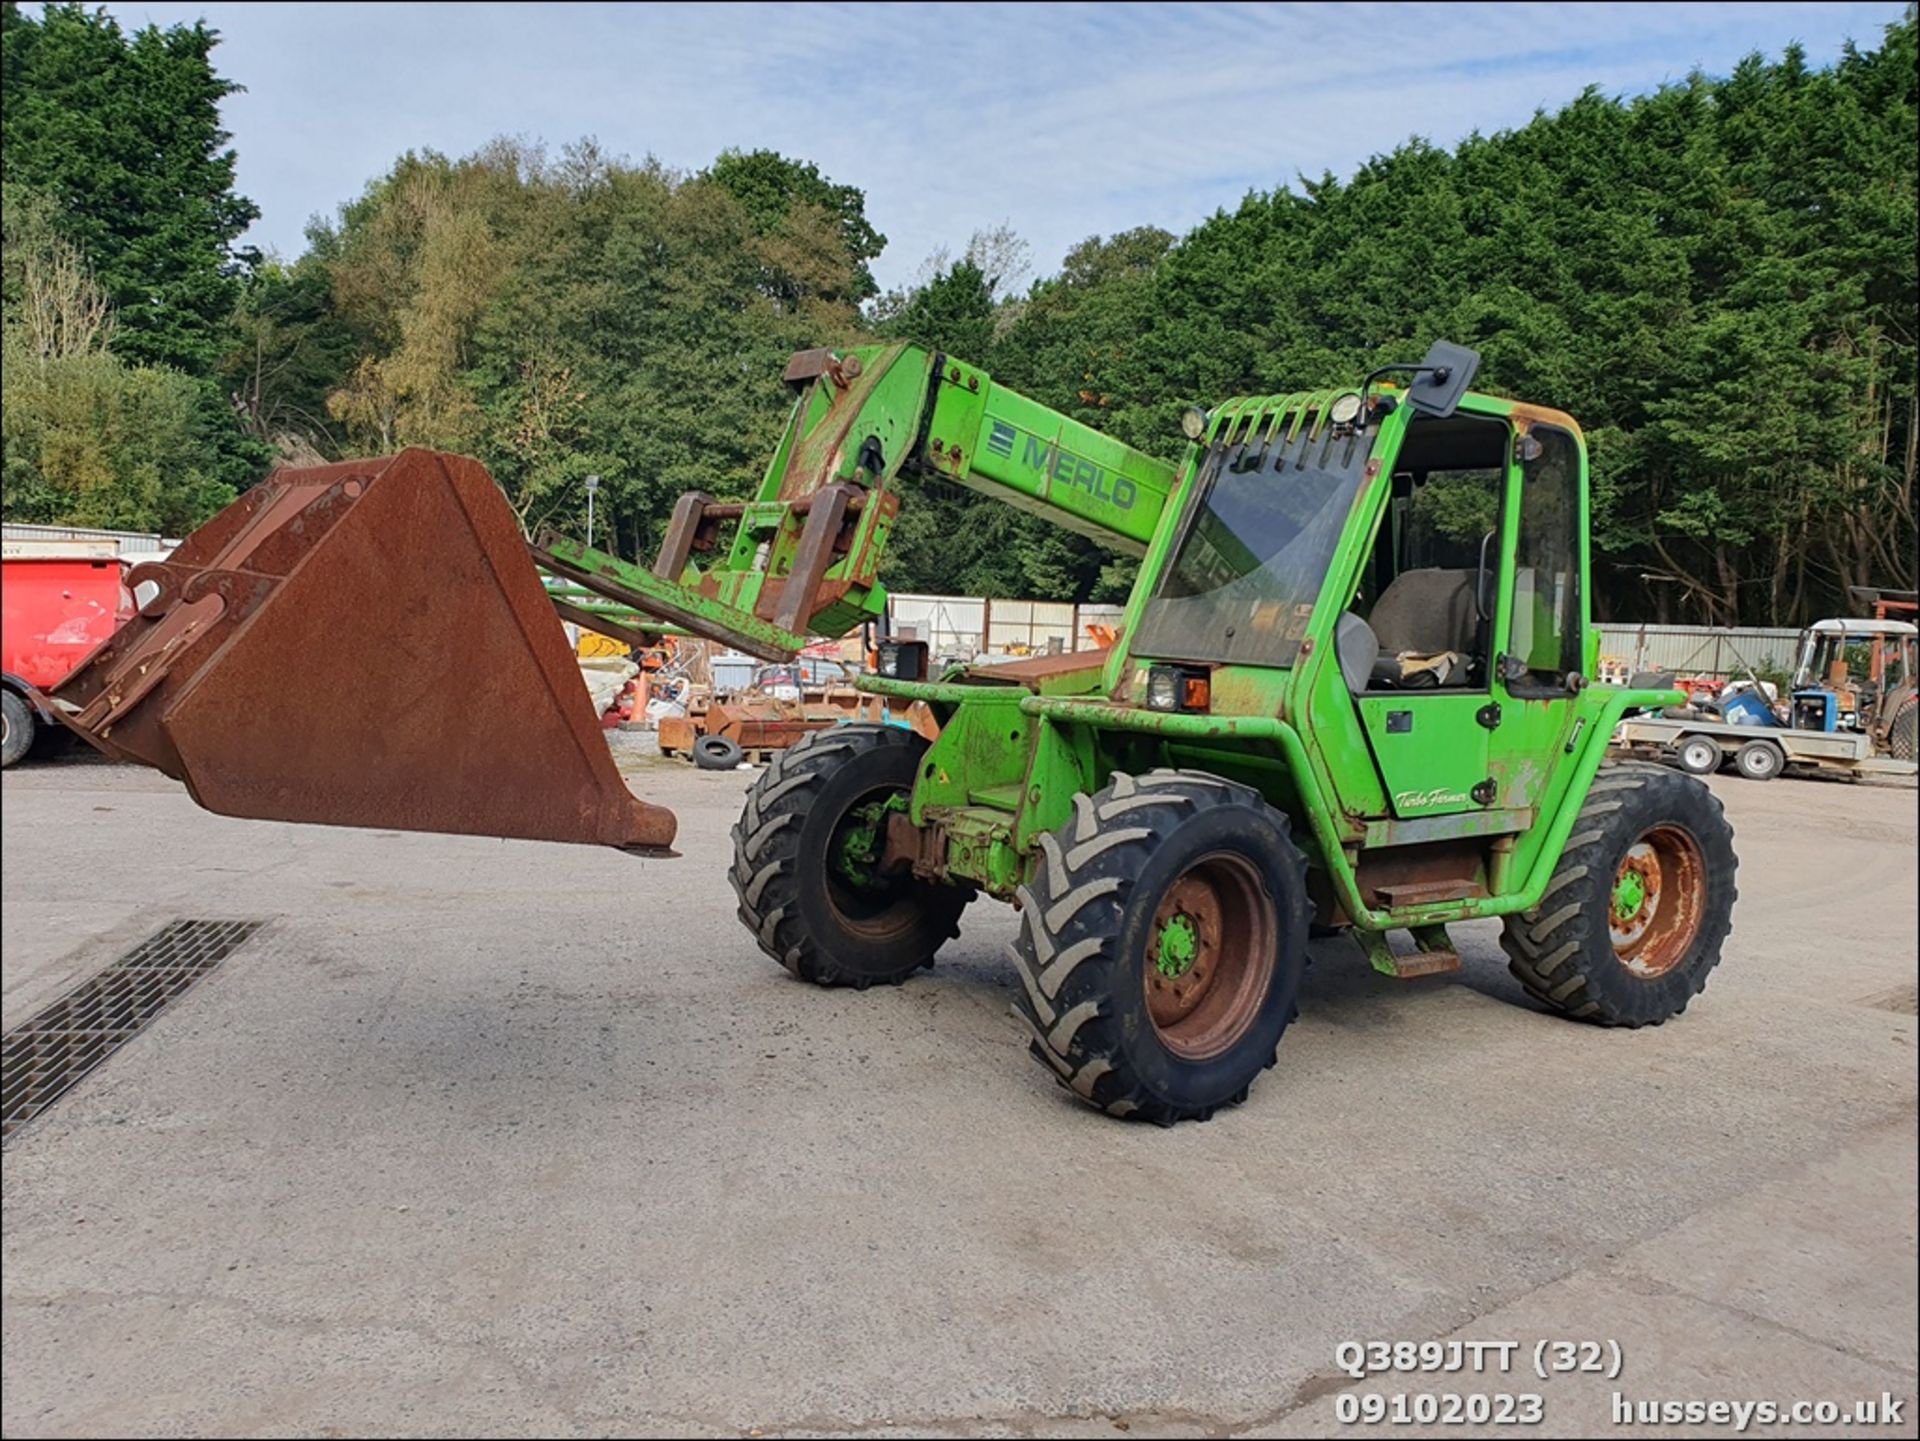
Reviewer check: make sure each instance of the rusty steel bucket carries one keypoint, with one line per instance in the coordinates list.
(362, 644)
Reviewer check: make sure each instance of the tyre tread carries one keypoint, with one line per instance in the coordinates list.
(1560, 956)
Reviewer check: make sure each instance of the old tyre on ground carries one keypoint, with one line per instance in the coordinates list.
(717, 753)
(1903, 736)
(808, 865)
(1636, 913)
(1698, 756)
(17, 717)
(1759, 760)
(1161, 945)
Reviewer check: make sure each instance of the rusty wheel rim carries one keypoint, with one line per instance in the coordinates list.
(1659, 894)
(1210, 956)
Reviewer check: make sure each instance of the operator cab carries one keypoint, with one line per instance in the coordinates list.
(1425, 606)
(1422, 617)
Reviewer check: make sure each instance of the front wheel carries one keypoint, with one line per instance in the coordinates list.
(809, 866)
(1637, 911)
(1161, 945)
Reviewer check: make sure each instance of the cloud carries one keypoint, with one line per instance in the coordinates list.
(1061, 120)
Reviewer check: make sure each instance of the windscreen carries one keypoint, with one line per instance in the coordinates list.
(1248, 567)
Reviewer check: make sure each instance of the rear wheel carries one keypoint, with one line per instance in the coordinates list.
(1639, 907)
(1698, 756)
(17, 718)
(1903, 736)
(1759, 760)
(1162, 943)
(808, 862)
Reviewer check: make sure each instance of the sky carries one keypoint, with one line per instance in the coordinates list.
(1060, 121)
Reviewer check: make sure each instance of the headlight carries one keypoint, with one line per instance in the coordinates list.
(1193, 424)
(1173, 687)
(1345, 408)
(1164, 685)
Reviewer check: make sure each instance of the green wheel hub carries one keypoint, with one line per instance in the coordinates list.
(863, 837)
(1629, 894)
(1179, 944)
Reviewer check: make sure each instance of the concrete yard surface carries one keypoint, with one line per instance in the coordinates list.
(504, 1138)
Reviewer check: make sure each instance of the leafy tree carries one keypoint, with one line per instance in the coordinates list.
(288, 350)
(90, 440)
(117, 139)
(585, 315)
(791, 199)
(1718, 278)
(122, 133)
(85, 438)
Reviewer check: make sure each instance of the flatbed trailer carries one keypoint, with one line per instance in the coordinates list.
(1757, 752)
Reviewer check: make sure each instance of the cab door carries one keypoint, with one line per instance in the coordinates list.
(1540, 641)
(1430, 600)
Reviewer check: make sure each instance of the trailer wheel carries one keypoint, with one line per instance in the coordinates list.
(1639, 907)
(16, 716)
(1161, 945)
(1759, 760)
(807, 862)
(1699, 756)
(717, 753)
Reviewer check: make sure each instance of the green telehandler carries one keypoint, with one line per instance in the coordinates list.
(1353, 689)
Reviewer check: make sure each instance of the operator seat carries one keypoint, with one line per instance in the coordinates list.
(1427, 622)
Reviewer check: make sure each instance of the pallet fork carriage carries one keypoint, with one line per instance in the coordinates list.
(1352, 687)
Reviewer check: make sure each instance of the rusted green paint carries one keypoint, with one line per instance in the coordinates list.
(1109, 715)
(1464, 825)
(1062, 764)
(644, 591)
(1298, 735)
(980, 847)
(1010, 758)
(936, 692)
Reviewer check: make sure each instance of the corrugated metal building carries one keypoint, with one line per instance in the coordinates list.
(132, 542)
(1696, 650)
(969, 625)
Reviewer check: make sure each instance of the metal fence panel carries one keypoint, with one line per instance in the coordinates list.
(955, 624)
(950, 624)
(1696, 650)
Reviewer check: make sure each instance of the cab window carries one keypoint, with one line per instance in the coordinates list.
(1545, 638)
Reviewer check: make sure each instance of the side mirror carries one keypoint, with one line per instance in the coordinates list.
(1443, 378)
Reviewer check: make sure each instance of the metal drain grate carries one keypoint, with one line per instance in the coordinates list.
(46, 1055)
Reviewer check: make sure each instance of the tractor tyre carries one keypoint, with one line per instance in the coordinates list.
(717, 753)
(1639, 907)
(1759, 760)
(807, 862)
(1698, 756)
(1161, 945)
(16, 718)
(1903, 744)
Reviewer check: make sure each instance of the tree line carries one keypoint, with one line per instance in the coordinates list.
(1717, 279)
